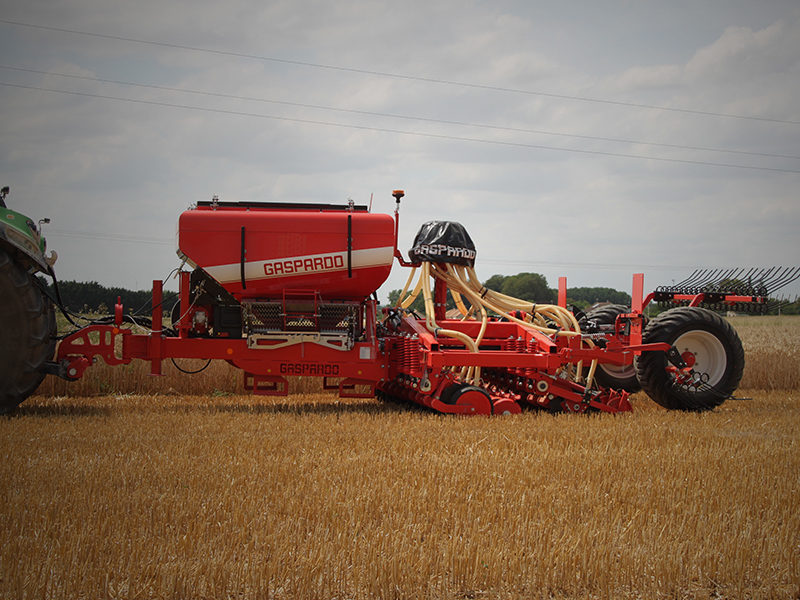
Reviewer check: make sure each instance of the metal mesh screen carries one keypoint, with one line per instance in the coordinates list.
(340, 318)
(263, 317)
(269, 317)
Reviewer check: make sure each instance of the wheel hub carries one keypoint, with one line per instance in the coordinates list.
(703, 352)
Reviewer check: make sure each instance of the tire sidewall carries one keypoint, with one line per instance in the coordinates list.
(27, 328)
(626, 380)
(652, 366)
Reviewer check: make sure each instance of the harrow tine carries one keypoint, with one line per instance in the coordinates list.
(775, 280)
(782, 302)
(765, 277)
(738, 281)
(708, 278)
(691, 280)
(780, 277)
(744, 281)
(726, 277)
(754, 285)
(703, 280)
(789, 275)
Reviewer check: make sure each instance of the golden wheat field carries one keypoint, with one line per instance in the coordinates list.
(190, 494)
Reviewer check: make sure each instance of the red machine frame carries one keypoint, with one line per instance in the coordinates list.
(399, 356)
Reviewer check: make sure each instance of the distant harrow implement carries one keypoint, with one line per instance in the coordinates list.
(738, 290)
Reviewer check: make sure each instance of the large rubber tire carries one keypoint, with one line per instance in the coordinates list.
(27, 325)
(608, 375)
(716, 351)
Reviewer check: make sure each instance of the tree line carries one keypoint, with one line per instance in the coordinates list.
(533, 288)
(90, 296)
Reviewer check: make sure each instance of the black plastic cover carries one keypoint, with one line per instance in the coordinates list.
(443, 242)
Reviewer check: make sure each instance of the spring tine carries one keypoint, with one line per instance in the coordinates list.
(689, 281)
(734, 284)
(704, 280)
(673, 287)
(720, 275)
(699, 279)
(788, 276)
(779, 279)
(782, 302)
(741, 282)
(768, 279)
(702, 277)
(795, 275)
(774, 277)
(766, 276)
(758, 286)
(726, 279)
(710, 282)
(747, 282)
(738, 281)
(764, 282)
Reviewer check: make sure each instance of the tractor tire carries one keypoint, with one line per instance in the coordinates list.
(27, 325)
(708, 343)
(607, 375)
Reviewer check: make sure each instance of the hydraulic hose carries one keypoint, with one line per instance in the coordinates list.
(463, 282)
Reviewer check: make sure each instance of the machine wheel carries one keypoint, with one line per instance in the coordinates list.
(612, 376)
(708, 344)
(462, 393)
(27, 322)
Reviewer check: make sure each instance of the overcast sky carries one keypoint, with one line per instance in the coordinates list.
(579, 138)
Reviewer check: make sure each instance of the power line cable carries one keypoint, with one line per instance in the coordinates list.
(401, 132)
(107, 236)
(576, 265)
(396, 116)
(399, 76)
(541, 263)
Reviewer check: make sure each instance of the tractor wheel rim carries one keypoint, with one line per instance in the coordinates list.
(708, 351)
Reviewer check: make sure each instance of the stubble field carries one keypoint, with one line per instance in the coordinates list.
(181, 495)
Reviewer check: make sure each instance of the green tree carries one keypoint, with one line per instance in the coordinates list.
(528, 286)
(82, 295)
(495, 282)
(593, 295)
(419, 303)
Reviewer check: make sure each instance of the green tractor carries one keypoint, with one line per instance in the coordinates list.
(28, 326)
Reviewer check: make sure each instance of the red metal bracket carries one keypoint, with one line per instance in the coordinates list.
(347, 388)
(266, 385)
(94, 340)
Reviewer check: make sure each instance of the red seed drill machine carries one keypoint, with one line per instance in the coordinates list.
(285, 290)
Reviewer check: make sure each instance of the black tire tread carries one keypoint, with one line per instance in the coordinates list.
(651, 366)
(607, 315)
(26, 333)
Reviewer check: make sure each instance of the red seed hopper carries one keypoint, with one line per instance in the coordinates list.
(257, 250)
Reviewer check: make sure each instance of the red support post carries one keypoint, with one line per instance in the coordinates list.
(637, 306)
(562, 292)
(371, 320)
(637, 295)
(183, 323)
(439, 300)
(157, 334)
